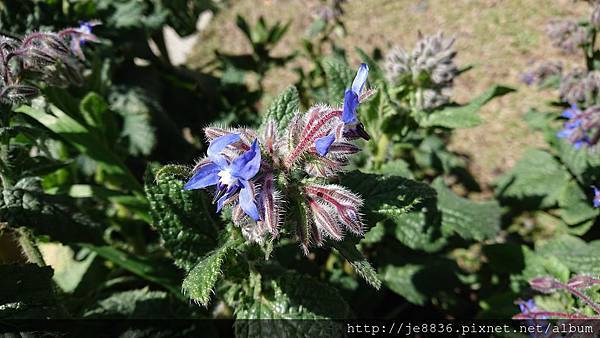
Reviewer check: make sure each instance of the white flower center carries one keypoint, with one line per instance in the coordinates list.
(226, 178)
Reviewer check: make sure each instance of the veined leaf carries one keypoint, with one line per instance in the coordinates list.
(292, 296)
(181, 217)
(463, 116)
(283, 108)
(537, 180)
(580, 257)
(199, 283)
(470, 220)
(339, 77)
(360, 264)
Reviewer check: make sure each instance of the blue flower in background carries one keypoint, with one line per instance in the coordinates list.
(573, 130)
(352, 127)
(596, 197)
(229, 177)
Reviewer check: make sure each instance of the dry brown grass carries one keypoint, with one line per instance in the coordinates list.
(498, 37)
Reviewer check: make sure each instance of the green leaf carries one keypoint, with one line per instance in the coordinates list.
(141, 303)
(85, 141)
(137, 109)
(26, 292)
(580, 257)
(181, 217)
(199, 283)
(575, 206)
(283, 108)
(25, 204)
(470, 220)
(291, 296)
(339, 77)
(463, 116)
(160, 272)
(537, 180)
(360, 264)
(95, 111)
(419, 283)
(410, 205)
(387, 196)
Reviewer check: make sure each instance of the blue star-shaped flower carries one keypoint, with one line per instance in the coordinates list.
(229, 176)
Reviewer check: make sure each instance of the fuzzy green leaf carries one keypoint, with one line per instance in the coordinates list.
(580, 257)
(463, 116)
(339, 77)
(297, 297)
(418, 283)
(181, 217)
(360, 264)
(470, 220)
(537, 180)
(283, 108)
(199, 283)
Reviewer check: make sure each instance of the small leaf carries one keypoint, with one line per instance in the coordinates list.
(199, 283)
(360, 264)
(141, 303)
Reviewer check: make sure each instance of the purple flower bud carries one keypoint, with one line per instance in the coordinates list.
(544, 284)
(582, 282)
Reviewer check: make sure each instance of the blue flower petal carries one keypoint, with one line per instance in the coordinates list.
(360, 79)
(218, 145)
(564, 133)
(204, 177)
(323, 143)
(247, 201)
(350, 105)
(247, 165)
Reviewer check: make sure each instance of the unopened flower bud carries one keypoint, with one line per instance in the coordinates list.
(544, 284)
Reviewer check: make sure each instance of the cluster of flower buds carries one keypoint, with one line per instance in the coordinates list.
(582, 128)
(272, 175)
(579, 86)
(429, 67)
(541, 72)
(567, 35)
(53, 58)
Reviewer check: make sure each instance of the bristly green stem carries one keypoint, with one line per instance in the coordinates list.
(29, 247)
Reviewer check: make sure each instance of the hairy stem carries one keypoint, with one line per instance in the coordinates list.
(29, 247)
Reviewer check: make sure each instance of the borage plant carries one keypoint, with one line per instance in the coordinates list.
(279, 185)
